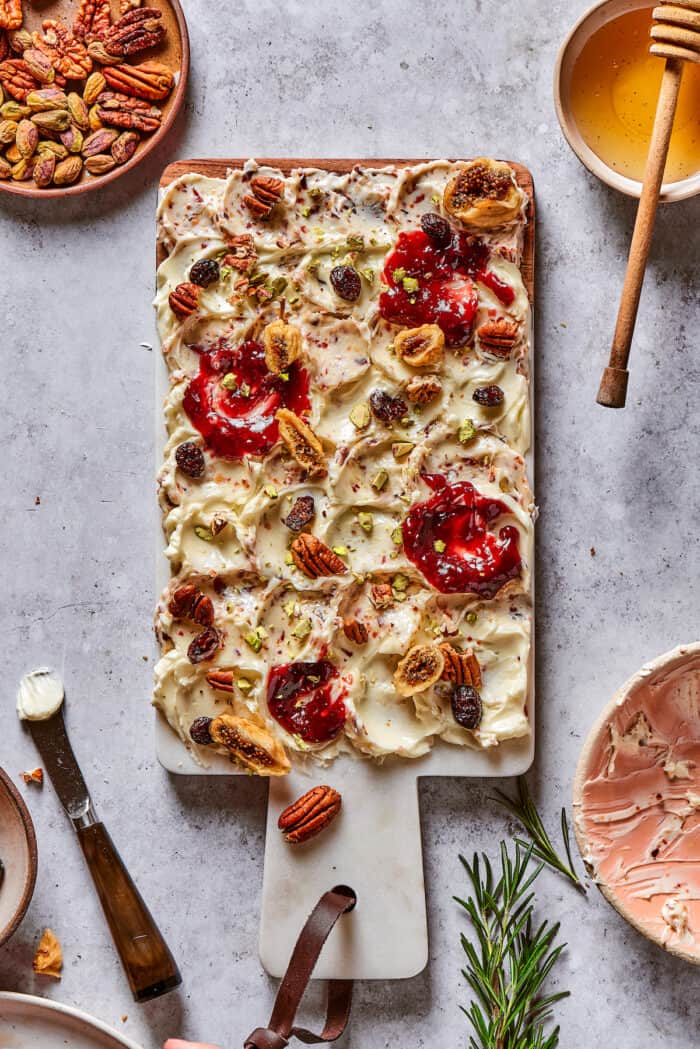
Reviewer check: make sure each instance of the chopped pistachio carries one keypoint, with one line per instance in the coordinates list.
(472, 617)
(400, 582)
(277, 285)
(313, 678)
(288, 559)
(410, 284)
(245, 390)
(467, 431)
(270, 491)
(365, 520)
(290, 607)
(369, 274)
(254, 639)
(284, 376)
(439, 546)
(244, 685)
(225, 272)
(360, 416)
(504, 484)
(257, 278)
(306, 211)
(356, 242)
(341, 551)
(202, 532)
(229, 381)
(312, 268)
(400, 449)
(399, 274)
(397, 537)
(435, 198)
(400, 596)
(302, 629)
(379, 480)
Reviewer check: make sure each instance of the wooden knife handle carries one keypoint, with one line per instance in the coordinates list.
(147, 961)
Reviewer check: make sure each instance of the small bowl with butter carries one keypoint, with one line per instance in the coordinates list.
(606, 84)
(18, 858)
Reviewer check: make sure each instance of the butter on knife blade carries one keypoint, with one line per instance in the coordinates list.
(40, 695)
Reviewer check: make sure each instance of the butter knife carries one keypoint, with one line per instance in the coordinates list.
(148, 963)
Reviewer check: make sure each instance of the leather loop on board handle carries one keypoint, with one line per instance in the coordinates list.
(281, 1028)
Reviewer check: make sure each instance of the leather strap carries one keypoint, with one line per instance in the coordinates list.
(318, 926)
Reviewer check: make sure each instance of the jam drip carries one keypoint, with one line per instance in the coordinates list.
(445, 273)
(299, 697)
(237, 418)
(469, 559)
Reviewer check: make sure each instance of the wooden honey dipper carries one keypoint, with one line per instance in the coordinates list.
(675, 36)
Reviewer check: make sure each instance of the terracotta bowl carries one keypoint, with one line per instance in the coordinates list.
(174, 52)
(637, 801)
(600, 14)
(18, 855)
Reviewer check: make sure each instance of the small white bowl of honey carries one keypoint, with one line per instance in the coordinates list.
(606, 84)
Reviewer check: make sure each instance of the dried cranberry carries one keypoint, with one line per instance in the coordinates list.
(385, 407)
(346, 282)
(204, 646)
(437, 228)
(205, 272)
(301, 513)
(199, 731)
(466, 706)
(488, 396)
(190, 458)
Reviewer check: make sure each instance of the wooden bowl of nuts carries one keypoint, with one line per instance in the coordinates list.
(87, 89)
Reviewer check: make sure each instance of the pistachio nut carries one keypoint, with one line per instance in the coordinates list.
(44, 168)
(94, 86)
(5, 168)
(124, 147)
(72, 139)
(39, 65)
(57, 149)
(99, 141)
(22, 170)
(13, 154)
(100, 164)
(94, 119)
(12, 110)
(19, 40)
(8, 132)
(99, 53)
(52, 120)
(27, 138)
(77, 107)
(67, 171)
(47, 99)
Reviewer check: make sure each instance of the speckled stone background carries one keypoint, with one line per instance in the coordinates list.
(76, 569)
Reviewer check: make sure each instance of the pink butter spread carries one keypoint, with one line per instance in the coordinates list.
(638, 803)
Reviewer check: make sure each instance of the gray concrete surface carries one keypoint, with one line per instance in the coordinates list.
(76, 571)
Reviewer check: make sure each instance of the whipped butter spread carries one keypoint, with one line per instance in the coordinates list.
(40, 695)
(640, 805)
(400, 485)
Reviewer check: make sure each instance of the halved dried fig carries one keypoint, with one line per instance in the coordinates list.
(420, 668)
(302, 442)
(252, 747)
(483, 194)
(421, 347)
(282, 344)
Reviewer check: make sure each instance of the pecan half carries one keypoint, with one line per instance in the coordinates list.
(266, 192)
(309, 815)
(461, 667)
(204, 646)
(420, 668)
(241, 254)
(151, 81)
(302, 442)
(252, 747)
(381, 595)
(4, 45)
(282, 344)
(220, 679)
(314, 558)
(188, 602)
(184, 299)
(92, 20)
(16, 78)
(134, 114)
(355, 630)
(135, 31)
(68, 56)
(10, 14)
(498, 337)
(423, 391)
(421, 347)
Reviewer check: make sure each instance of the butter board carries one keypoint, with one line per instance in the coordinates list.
(386, 936)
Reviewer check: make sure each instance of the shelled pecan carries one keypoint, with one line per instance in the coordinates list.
(151, 81)
(309, 814)
(135, 31)
(188, 602)
(184, 299)
(381, 595)
(266, 192)
(68, 56)
(10, 14)
(498, 337)
(4, 45)
(134, 114)
(461, 667)
(92, 20)
(16, 78)
(355, 630)
(220, 679)
(241, 254)
(314, 558)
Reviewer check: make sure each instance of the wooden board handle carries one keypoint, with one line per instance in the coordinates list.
(613, 387)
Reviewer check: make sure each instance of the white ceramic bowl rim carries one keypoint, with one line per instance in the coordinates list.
(48, 1005)
(600, 14)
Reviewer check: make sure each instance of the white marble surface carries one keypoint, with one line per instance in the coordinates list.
(76, 572)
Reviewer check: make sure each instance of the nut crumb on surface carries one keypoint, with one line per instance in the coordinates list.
(48, 960)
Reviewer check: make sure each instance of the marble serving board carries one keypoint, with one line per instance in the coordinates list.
(375, 846)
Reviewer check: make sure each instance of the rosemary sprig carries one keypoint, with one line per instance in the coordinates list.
(510, 961)
(525, 810)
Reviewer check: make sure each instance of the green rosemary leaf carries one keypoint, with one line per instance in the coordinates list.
(525, 810)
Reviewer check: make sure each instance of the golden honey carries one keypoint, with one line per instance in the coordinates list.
(614, 88)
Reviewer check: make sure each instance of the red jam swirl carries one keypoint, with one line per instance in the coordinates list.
(299, 697)
(469, 559)
(445, 273)
(240, 420)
